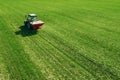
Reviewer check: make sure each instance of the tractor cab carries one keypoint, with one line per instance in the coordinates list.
(32, 17)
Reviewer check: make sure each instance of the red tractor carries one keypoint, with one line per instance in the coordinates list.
(32, 22)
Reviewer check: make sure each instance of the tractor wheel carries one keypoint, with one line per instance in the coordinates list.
(28, 25)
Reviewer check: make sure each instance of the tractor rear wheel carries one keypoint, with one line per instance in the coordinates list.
(28, 25)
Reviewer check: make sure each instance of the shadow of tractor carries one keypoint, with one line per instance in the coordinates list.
(24, 31)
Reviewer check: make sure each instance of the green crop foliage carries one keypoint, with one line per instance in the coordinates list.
(80, 40)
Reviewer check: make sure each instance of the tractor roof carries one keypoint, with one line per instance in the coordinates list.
(32, 15)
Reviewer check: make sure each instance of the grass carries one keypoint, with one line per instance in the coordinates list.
(79, 41)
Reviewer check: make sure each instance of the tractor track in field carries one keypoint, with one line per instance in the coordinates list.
(49, 53)
(39, 55)
(93, 41)
(63, 52)
(56, 56)
(98, 67)
(99, 43)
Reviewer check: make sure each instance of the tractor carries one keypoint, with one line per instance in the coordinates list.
(32, 22)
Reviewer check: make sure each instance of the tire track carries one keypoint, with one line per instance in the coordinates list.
(38, 50)
(99, 43)
(59, 60)
(97, 67)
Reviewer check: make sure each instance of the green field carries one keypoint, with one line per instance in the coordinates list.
(79, 41)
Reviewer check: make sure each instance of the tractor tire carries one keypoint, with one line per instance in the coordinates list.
(28, 25)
